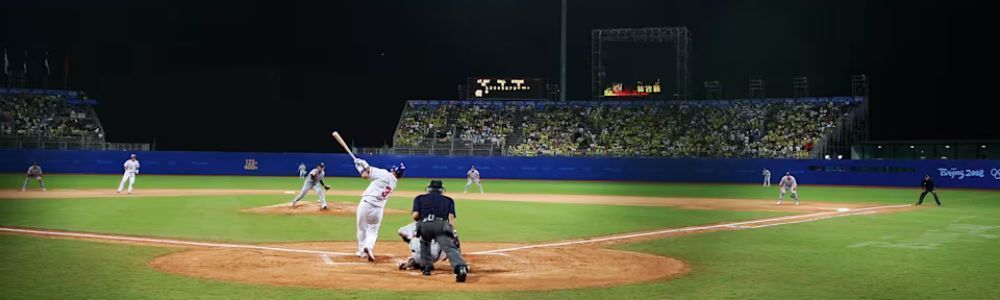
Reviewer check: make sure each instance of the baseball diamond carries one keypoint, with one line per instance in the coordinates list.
(668, 149)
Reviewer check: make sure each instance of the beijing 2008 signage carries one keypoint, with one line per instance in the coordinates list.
(956, 173)
(506, 88)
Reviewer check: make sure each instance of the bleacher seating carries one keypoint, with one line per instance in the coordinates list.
(48, 114)
(769, 128)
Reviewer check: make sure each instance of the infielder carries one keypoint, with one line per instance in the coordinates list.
(409, 235)
(315, 176)
(788, 182)
(767, 177)
(34, 171)
(372, 203)
(302, 170)
(472, 176)
(131, 169)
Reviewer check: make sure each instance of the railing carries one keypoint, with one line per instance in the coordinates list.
(63, 143)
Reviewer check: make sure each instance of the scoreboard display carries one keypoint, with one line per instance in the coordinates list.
(506, 88)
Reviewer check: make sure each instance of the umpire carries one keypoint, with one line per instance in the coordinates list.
(928, 185)
(435, 216)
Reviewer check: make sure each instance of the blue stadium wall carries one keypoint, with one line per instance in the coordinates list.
(948, 173)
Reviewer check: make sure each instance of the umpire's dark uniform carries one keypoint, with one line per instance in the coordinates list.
(432, 212)
(928, 185)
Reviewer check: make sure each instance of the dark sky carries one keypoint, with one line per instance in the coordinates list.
(280, 75)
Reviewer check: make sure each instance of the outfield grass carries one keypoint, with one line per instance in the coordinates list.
(219, 218)
(624, 188)
(933, 253)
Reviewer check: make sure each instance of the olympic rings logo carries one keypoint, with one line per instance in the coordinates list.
(995, 173)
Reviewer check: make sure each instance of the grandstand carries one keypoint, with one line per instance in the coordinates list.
(765, 128)
(52, 119)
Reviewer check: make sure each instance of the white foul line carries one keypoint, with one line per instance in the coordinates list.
(819, 215)
(164, 241)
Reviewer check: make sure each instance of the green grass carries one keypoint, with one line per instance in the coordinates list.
(860, 257)
(932, 253)
(625, 188)
(219, 218)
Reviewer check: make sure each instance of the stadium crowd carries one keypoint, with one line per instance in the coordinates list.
(727, 129)
(44, 115)
(469, 124)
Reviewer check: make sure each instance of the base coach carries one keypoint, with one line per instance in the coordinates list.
(435, 216)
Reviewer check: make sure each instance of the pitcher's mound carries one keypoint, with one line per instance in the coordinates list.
(313, 208)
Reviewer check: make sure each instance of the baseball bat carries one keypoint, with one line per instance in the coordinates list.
(340, 140)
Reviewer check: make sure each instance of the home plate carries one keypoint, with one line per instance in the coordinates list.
(843, 209)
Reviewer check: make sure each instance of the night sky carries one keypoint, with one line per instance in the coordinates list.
(280, 75)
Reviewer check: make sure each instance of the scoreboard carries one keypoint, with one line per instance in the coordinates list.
(506, 88)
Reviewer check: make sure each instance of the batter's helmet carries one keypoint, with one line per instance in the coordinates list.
(398, 169)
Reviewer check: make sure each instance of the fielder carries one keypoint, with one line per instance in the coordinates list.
(767, 177)
(302, 170)
(472, 176)
(409, 235)
(34, 171)
(372, 203)
(788, 182)
(315, 176)
(131, 169)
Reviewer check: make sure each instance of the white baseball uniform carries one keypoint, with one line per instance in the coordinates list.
(767, 177)
(302, 171)
(788, 182)
(34, 171)
(131, 168)
(313, 183)
(473, 176)
(410, 231)
(371, 207)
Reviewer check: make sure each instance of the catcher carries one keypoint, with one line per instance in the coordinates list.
(409, 235)
(34, 171)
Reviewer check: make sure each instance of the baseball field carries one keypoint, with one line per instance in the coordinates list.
(230, 237)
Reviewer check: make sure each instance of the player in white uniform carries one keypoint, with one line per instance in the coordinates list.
(409, 235)
(767, 177)
(34, 172)
(302, 170)
(372, 203)
(472, 176)
(788, 182)
(314, 181)
(131, 169)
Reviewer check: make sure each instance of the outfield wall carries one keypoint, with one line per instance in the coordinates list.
(948, 173)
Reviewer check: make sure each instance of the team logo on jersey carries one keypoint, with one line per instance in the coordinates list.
(250, 164)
